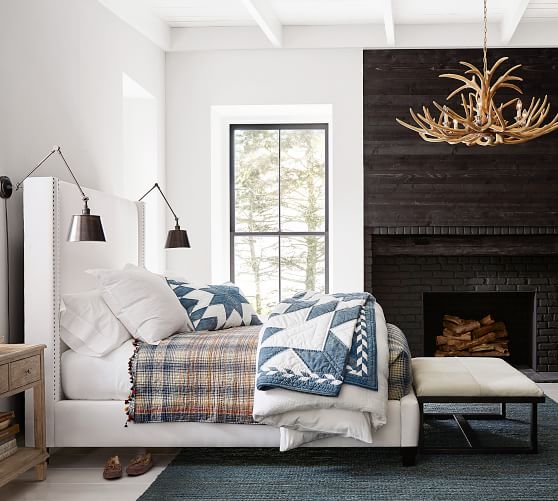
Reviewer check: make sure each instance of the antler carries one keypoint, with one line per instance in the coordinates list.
(483, 121)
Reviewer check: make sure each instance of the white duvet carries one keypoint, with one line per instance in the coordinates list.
(355, 413)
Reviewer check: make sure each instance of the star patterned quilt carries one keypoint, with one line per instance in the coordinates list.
(315, 342)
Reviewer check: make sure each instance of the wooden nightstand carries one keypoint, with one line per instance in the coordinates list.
(21, 368)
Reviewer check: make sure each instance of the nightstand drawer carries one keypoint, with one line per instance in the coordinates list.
(4, 381)
(25, 371)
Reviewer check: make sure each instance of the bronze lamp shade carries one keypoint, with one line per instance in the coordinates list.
(177, 238)
(86, 227)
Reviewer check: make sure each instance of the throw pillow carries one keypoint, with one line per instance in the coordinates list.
(214, 307)
(143, 302)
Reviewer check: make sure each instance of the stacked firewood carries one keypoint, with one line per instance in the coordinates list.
(472, 338)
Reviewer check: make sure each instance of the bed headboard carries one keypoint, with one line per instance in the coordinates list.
(53, 266)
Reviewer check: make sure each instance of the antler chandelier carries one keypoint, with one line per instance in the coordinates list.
(483, 121)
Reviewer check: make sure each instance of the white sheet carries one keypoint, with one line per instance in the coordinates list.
(97, 378)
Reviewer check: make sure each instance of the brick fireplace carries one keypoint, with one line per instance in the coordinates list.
(451, 218)
(399, 282)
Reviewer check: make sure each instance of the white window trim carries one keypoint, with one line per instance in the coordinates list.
(346, 249)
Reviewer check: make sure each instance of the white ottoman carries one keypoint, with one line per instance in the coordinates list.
(473, 380)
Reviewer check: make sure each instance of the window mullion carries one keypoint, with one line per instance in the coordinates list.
(277, 236)
(279, 264)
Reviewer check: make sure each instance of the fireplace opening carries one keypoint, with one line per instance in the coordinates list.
(499, 324)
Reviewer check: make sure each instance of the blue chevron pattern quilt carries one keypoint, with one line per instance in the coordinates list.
(315, 342)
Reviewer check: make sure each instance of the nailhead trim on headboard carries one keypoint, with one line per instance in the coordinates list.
(141, 233)
(55, 285)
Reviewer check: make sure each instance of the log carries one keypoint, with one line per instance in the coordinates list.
(462, 337)
(459, 339)
(481, 331)
(494, 353)
(465, 338)
(502, 349)
(453, 320)
(491, 336)
(483, 347)
(489, 354)
(467, 326)
(487, 320)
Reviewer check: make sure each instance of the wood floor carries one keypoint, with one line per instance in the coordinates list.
(76, 473)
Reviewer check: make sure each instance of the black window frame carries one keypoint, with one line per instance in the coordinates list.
(232, 207)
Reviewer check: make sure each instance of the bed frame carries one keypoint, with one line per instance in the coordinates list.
(54, 267)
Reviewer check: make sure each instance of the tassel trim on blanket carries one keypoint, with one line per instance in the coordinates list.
(129, 403)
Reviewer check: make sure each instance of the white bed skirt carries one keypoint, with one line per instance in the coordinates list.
(83, 423)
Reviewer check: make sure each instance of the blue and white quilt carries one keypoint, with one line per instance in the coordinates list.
(315, 342)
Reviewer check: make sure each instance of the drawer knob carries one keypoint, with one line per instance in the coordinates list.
(27, 371)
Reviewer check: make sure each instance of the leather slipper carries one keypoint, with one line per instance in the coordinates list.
(139, 465)
(113, 468)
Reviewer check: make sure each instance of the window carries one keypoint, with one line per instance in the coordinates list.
(279, 210)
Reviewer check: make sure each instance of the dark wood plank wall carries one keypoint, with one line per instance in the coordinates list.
(409, 182)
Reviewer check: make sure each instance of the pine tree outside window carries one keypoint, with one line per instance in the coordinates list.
(279, 210)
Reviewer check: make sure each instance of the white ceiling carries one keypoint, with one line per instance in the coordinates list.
(541, 10)
(197, 13)
(285, 23)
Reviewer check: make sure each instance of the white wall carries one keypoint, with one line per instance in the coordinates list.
(142, 147)
(61, 64)
(196, 81)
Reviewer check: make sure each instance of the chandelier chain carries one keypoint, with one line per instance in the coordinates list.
(485, 44)
(482, 119)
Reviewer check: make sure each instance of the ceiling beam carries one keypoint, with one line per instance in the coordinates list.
(367, 36)
(262, 12)
(512, 19)
(388, 22)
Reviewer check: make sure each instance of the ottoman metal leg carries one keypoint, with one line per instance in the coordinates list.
(473, 446)
(534, 428)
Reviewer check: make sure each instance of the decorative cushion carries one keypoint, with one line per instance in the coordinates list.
(88, 326)
(143, 302)
(214, 307)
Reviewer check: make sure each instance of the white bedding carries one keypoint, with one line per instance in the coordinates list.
(97, 378)
(305, 417)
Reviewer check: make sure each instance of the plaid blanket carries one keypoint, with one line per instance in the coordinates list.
(400, 374)
(200, 376)
(209, 376)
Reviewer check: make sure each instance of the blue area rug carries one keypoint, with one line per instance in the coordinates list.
(374, 474)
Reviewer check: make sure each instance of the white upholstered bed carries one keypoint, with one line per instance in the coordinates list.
(54, 267)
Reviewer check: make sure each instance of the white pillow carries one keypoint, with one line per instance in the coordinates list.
(143, 302)
(88, 326)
